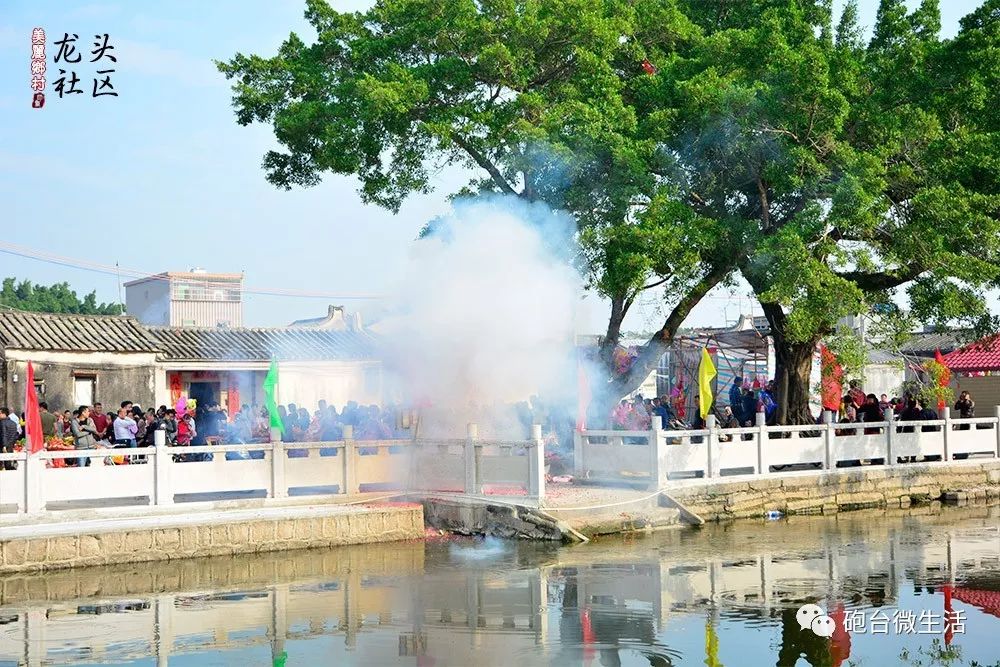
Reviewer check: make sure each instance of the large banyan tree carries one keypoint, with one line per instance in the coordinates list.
(692, 141)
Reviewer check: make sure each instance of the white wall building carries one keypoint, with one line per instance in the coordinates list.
(193, 299)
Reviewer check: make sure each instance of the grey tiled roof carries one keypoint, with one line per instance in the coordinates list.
(926, 342)
(72, 333)
(191, 344)
(86, 333)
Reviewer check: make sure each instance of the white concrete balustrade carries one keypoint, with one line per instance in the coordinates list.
(276, 470)
(659, 456)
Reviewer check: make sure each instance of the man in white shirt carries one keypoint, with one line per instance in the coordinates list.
(125, 428)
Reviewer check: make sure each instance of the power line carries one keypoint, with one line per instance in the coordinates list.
(114, 270)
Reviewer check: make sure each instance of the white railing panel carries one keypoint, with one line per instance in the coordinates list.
(794, 449)
(12, 486)
(383, 468)
(736, 453)
(97, 481)
(315, 470)
(220, 475)
(504, 470)
(858, 447)
(437, 468)
(617, 457)
(686, 457)
(972, 441)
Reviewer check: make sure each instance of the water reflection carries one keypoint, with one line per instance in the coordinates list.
(721, 595)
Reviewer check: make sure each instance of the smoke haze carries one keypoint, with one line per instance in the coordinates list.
(485, 315)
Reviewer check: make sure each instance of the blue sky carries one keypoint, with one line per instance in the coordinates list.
(162, 177)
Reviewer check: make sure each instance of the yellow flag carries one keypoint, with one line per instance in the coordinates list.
(706, 372)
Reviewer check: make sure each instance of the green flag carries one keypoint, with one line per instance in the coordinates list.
(270, 382)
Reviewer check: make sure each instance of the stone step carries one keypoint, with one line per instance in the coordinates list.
(644, 520)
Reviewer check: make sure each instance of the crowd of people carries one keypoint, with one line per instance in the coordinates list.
(131, 426)
(746, 401)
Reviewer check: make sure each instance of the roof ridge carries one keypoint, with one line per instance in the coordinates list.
(35, 313)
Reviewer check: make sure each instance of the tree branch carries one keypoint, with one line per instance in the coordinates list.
(651, 352)
(655, 284)
(481, 160)
(882, 280)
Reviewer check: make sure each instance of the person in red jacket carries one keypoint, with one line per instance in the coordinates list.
(101, 422)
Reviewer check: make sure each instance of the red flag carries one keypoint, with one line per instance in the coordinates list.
(945, 379)
(648, 67)
(583, 396)
(840, 642)
(33, 437)
(949, 614)
(831, 376)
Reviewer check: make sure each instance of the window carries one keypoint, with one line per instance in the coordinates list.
(84, 389)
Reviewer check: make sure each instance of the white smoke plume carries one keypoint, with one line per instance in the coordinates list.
(484, 315)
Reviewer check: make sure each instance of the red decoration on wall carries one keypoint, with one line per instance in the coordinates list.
(233, 398)
(176, 387)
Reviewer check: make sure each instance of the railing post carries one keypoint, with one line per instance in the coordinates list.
(946, 415)
(536, 463)
(996, 428)
(162, 464)
(351, 485)
(657, 463)
(471, 460)
(33, 467)
(763, 464)
(279, 489)
(890, 430)
(829, 433)
(712, 441)
(580, 466)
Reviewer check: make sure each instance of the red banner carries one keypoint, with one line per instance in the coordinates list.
(34, 439)
(832, 376)
(176, 388)
(233, 398)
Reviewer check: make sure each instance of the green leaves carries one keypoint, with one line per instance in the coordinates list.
(57, 298)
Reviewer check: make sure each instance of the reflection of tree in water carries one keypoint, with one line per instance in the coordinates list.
(609, 630)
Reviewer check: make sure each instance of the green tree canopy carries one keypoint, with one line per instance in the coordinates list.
(690, 139)
(57, 298)
(542, 100)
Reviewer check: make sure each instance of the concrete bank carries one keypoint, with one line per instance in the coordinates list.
(836, 491)
(578, 512)
(189, 533)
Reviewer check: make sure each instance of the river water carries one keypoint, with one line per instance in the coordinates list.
(719, 595)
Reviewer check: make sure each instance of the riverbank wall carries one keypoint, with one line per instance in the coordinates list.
(842, 490)
(196, 534)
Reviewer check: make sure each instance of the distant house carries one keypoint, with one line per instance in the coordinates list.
(78, 359)
(976, 368)
(81, 359)
(187, 299)
(229, 365)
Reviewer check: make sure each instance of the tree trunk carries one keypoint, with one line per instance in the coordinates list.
(793, 366)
